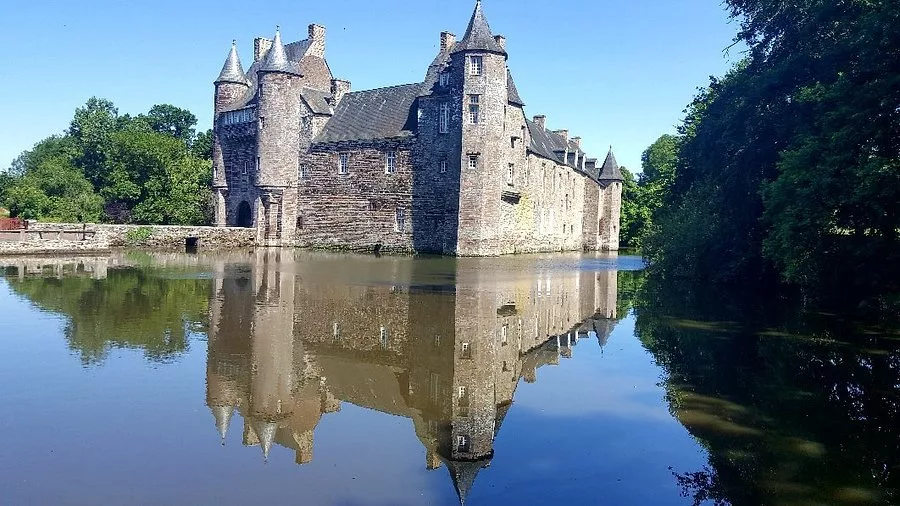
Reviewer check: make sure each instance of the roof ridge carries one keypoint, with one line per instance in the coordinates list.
(388, 87)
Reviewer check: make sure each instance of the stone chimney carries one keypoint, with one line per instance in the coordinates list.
(541, 121)
(339, 88)
(563, 133)
(261, 47)
(316, 41)
(577, 142)
(447, 41)
(501, 41)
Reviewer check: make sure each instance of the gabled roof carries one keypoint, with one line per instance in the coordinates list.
(317, 100)
(277, 59)
(545, 143)
(232, 71)
(514, 97)
(610, 170)
(384, 113)
(478, 35)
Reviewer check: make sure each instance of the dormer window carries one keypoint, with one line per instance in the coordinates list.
(445, 79)
(476, 65)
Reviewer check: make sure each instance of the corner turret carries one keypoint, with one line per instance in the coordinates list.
(610, 172)
(232, 83)
(610, 180)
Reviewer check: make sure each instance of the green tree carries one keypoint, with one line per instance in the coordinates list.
(170, 120)
(202, 145)
(91, 129)
(55, 190)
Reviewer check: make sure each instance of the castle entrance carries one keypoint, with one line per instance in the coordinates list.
(244, 215)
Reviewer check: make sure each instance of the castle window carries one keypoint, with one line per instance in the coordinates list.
(466, 349)
(504, 335)
(384, 338)
(245, 168)
(461, 393)
(476, 65)
(262, 122)
(474, 109)
(445, 79)
(299, 222)
(510, 174)
(390, 162)
(400, 224)
(462, 443)
(336, 331)
(344, 163)
(302, 172)
(473, 162)
(444, 125)
(443, 166)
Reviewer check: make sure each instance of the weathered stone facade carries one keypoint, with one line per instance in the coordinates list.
(450, 165)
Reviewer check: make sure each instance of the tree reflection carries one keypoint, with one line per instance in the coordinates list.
(793, 409)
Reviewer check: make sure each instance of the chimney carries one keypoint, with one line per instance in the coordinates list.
(261, 47)
(577, 142)
(501, 41)
(339, 88)
(563, 133)
(540, 121)
(316, 41)
(447, 41)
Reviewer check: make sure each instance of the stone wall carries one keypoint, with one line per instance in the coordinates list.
(161, 237)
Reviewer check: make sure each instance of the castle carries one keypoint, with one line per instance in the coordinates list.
(450, 165)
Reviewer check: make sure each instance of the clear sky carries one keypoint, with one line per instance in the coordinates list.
(615, 72)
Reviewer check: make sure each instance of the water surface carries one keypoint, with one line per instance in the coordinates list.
(280, 377)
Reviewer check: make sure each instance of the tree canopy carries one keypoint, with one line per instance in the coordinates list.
(148, 169)
(788, 167)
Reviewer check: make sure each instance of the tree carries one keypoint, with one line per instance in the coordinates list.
(170, 120)
(54, 191)
(202, 145)
(91, 129)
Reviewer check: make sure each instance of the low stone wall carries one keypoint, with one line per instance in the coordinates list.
(154, 237)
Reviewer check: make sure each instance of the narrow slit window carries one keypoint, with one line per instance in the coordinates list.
(443, 166)
(444, 126)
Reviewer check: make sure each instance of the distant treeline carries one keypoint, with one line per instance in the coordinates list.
(787, 169)
(151, 168)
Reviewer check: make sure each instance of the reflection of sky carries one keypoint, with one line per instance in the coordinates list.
(594, 430)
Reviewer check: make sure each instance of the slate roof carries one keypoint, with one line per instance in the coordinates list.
(277, 59)
(545, 143)
(464, 473)
(232, 71)
(373, 114)
(478, 35)
(514, 97)
(610, 170)
(317, 100)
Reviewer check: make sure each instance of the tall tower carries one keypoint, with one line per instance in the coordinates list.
(230, 86)
(277, 151)
(478, 66)
(611, 180)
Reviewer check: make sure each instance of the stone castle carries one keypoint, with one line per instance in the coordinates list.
(450, 165)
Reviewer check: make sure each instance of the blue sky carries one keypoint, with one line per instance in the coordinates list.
(615, 72)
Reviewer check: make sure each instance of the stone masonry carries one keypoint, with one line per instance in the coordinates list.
(451, 165)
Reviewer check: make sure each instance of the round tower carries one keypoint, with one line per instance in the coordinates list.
(278, 138)
(231, 86)
(479, 64)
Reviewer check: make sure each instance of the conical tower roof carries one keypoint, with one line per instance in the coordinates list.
(277, 59)
(464, 473)
(610, 170)
(223, 416)
(232, 71)
(266, 432)
(478, 35)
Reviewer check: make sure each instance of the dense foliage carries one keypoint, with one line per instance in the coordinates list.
(788, 167)
(642, 198)
(152, 168)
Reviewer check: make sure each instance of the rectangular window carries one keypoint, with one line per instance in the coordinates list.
(302, 172)
(344, 163)
(445, 79)
(504, 335)
(474, 109)
(510, 174)
(443, 166)
(258, 163)
(473, 162)
(476, 65)
(336, 331)
(400, 224)
(390, 162)
(461, 393)
(445, 118)
(466, 350)
(245, 168)
(384, 338)
(462, 443)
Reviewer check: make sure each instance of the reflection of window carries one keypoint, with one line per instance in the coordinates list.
(461, 393)
(462, 443)
(437, 341)
(466, 350)
(434, 388)
(384, 338)
(336, 331)
(505, 366)
(504, 335)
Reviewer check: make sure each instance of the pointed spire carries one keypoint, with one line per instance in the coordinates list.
(610, 171)
(277, 59)
(232, 71)
(478, 35)
(266, 432)
(223, 416)
(463, 473)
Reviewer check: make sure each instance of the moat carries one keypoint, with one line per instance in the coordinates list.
(275, 377)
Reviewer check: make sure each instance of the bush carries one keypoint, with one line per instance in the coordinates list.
(138, 236)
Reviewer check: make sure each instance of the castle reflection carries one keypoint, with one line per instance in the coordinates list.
(443, 342)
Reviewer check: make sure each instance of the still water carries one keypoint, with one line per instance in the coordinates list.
(305, 378)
